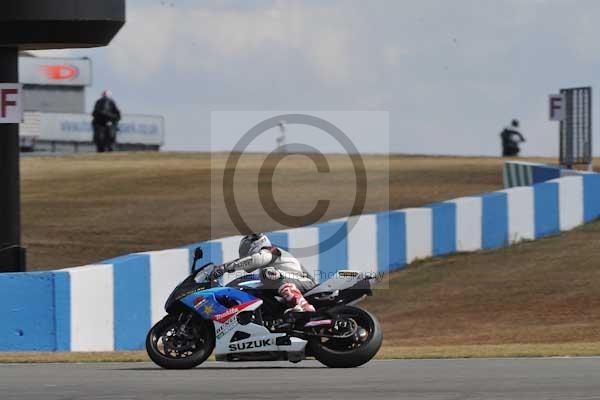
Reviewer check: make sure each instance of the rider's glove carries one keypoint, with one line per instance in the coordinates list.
(220, 270)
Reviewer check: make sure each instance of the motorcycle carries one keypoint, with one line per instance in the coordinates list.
(242, 321)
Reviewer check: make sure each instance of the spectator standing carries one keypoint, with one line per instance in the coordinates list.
(511, 138)
(106, 119)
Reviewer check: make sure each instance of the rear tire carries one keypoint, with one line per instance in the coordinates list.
(338, 353)
(200, 340)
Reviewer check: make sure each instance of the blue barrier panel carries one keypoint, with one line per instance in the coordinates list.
(443, 220)
(279, 239)
(62, 307)
(591, 197)
(546, 209)
(544, 173)
(213, 252)
(494, 221)
(27, 312)
(131, 277)
(391, 241)
(333, 248)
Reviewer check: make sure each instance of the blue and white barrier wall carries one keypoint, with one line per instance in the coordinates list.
(522, 173)
(111, 305)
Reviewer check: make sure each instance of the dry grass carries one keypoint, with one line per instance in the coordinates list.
(492, 351)
(536, 298)
(83, 209)
(386, 352)
(536, 292)
(74, 357)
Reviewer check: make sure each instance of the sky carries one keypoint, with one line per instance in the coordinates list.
(449, 75)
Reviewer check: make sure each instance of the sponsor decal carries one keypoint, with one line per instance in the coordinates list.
(348, 274)
(208, 309)
(255, 344)
(125, 128)
(226, 327)
(198, 302)
(227, 314)
(60, 72)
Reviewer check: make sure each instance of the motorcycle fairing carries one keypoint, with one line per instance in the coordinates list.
(258, 339)
(206, 302)
(342, 280)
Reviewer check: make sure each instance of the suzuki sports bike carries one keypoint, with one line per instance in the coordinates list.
(242, 321)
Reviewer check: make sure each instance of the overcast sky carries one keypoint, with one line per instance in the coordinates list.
(451, 74)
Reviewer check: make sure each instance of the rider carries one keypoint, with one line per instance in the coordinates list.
(278, 270)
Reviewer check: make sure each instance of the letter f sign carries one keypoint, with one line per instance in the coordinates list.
(557, 107)
(11, 104)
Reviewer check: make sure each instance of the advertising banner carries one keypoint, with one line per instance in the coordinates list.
(133, 129)
(55, 71)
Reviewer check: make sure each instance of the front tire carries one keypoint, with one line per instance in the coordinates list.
(355, 350)
(170, 347)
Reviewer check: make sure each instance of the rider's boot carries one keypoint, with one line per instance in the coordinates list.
(294, 297)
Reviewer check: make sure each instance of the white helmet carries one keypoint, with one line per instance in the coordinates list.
(251, 244)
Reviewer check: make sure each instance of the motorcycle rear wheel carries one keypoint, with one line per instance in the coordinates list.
(171, 349)
(349, 352)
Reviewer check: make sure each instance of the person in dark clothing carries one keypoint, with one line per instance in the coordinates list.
(511, 137)
(106, 119)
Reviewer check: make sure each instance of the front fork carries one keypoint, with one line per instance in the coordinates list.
(184, 319)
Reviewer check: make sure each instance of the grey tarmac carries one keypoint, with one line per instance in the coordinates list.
(522, 379)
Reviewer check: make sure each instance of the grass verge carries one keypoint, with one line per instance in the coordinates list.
(491, 351)
(386, 353)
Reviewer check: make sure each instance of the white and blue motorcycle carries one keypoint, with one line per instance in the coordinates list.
(244, 322)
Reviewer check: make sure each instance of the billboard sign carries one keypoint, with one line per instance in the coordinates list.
(55, 71)
(11, 103)
(133, 129)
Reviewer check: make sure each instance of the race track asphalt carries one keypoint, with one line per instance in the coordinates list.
(522, 379)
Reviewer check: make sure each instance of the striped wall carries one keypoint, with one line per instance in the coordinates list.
(521, 173)
(518, 174)
(111, 305)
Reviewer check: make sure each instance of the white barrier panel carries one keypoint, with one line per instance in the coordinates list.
(570, 201)
(231, 251)
(468, 223)
(419, 237)
(167, 269)
(304, 244)
(521, 216)
(231, 247)
(92, 313)
(574, 172)
(362, 243)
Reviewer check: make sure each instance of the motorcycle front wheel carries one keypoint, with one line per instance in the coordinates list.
(174, 344)
(353, 341)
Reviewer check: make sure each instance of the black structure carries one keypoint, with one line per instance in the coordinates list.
(31, 25)
(576, 128)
